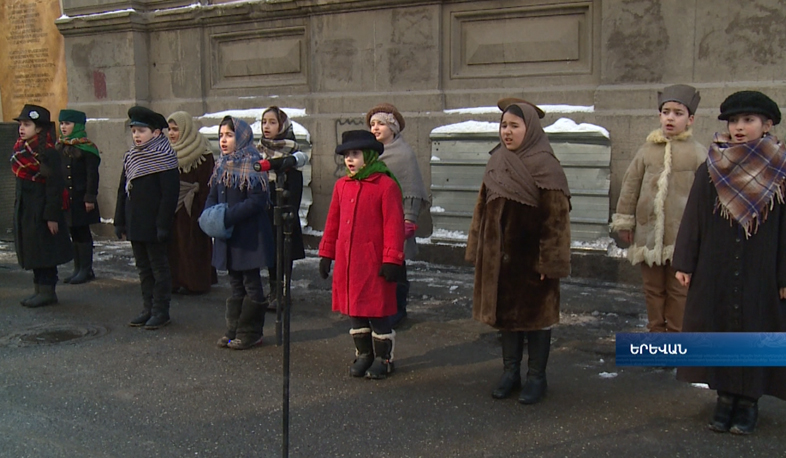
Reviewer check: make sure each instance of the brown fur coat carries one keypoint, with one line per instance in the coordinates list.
(511, 245)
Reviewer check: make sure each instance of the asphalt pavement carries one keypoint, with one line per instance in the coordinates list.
(76, 381)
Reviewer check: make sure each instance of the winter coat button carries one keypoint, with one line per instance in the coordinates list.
(736, 273)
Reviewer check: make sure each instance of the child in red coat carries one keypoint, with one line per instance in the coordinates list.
(364, 233)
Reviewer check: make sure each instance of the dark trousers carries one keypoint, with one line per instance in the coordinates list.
(380, 326)
(247, 283)
(402, 290)
(45, 276)
(155, 277)
(81, 234)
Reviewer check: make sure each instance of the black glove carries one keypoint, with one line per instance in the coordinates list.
(120, 231)
(324, 267)
(391, 272)
(162, 235)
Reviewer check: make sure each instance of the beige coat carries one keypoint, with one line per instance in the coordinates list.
(654, 193)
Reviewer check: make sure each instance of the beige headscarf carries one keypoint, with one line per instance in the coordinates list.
(520, 175)
(192, 146)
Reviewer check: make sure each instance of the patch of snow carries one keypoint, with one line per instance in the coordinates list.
(101, 14)
(468, 127)
(97, 119)
(602, 244)
(435, 159)
(451, 235)
(700, 385)
(437, 210)
(108, 221)
(253, 113)
(558, 108)
(307, 230)
(567, 125)
(608, 374)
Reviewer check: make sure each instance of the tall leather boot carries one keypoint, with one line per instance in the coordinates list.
(250, 324)
(383, 362)
(364, 351)
(46, 296)
(85, 256)
(232, 315)
(746, 414)
(539, 344)
(77, 263)
(724, 408)
(512, 352)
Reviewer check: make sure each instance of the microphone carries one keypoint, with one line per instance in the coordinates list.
(295, 160)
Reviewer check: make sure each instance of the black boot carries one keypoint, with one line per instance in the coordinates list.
(85, 253)
(538, 346)
(364, 351)
(30, 297)
(232, 315)
(250, 324)
(46, 296)
(159, 315)
(724, 409)
(746, 414)
(383, 362)
(143, 316)
(77, 263)
(512, 352)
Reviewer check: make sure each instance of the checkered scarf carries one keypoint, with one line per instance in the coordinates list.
(749, 177)
(24, 162)
(236, 169)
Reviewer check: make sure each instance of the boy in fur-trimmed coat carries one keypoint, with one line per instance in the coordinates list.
(653, 196)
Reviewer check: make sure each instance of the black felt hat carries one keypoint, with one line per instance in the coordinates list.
(750, 102)
(38, 114)
(360, 140)
(142, 116)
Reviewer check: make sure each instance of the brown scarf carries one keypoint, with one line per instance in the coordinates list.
(520, 175)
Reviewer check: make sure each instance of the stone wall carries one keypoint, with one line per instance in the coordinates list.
(336, 59)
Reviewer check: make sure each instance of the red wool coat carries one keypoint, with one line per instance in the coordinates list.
(364, 228)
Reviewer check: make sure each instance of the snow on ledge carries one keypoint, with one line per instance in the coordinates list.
(254, 113)
(567, 125)
(558, 108)
(468, 127)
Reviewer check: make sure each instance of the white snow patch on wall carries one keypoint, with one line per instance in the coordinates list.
(558, 108)
(468, 127)
(608, 374)
(567, 125)
(254, 113)
(308, 230)
(437, 210)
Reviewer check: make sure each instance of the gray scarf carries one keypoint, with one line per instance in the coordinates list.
(401, 160)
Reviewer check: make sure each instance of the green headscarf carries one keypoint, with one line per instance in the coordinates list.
(372, 165)
(79, 139)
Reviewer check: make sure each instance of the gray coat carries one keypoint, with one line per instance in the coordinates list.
(35, 204)
(734, 286)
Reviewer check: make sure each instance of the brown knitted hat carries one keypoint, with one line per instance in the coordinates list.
(385, 108)
(508, 101)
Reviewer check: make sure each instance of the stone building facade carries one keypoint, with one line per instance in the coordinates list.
(336, 59)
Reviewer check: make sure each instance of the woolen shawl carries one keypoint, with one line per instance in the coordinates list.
(154, 156)
(520, 175)
(400, 158)
(192, 146)
(235, 170)
(749, 177)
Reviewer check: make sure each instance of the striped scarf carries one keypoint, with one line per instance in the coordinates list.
(154, 156)
(749, 177)
(236, 169)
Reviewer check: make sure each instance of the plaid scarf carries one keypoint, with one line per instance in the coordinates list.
(154, 156)
(236, 169)
(749, 177)
(24, 162)
(78, 138)
(276, 148)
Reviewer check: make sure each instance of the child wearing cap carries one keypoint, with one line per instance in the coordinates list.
(652, 198)
(40, 233)
(80, 161)
(146, 202)
(249, 247)
(731, 253)
(387, 123)
(364, 234)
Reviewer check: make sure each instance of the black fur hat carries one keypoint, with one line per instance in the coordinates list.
(142, 116)
(750, 102)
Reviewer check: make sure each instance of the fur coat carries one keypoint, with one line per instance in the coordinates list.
(511, 245)
(654, 191)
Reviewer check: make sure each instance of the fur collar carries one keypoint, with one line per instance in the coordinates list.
(656, 136)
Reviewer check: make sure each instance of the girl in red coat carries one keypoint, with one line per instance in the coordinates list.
(364, 233)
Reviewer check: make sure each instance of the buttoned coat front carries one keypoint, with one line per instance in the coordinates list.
(364, 229)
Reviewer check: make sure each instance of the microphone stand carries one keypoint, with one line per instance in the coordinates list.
(283, 219)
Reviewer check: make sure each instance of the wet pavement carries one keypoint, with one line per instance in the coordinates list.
(76, 381)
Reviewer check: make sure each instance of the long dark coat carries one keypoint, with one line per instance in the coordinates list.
(364, 229)
(734, 286)
(36, 203)
(512, 244)
(80, 172)
(191, 250)
(294, 185)
(251, 245)
(149, 209)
